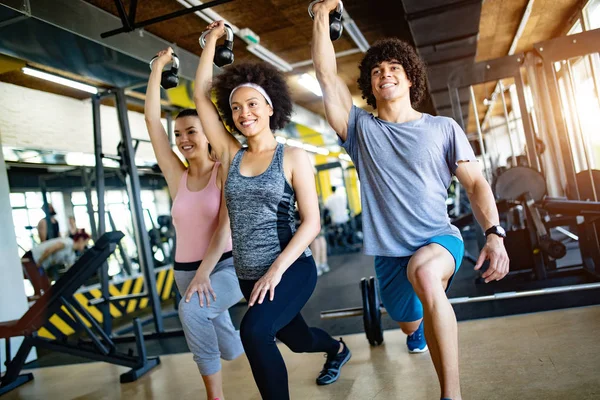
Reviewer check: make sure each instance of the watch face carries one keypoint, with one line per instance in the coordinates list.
(501, 230)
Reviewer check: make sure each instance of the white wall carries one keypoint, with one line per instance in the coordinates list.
(40, 120)
(13, 302)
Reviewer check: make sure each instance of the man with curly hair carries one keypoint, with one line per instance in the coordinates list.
(405, 160)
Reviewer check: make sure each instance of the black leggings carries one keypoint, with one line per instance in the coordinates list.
(281, 318)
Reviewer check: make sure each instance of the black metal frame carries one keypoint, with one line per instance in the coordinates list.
(129, 170)
(495, 70)
(559, 49)
(587, 229)
(130, 25)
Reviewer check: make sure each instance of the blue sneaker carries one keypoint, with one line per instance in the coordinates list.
(331, 370)
(416, 342)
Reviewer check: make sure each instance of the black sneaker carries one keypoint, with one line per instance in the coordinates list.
(331, 370)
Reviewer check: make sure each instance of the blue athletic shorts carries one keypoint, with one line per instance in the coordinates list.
(397, 293)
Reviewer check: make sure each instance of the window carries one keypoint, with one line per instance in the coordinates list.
(576, 28)
(591, 14)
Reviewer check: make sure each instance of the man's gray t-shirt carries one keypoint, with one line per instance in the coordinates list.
(405, 170)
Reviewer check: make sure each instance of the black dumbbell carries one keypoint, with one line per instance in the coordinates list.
(170, 77)
(223, 52)
(335, 20)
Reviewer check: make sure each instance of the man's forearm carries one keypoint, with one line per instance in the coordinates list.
(323, 52)
(483, 205)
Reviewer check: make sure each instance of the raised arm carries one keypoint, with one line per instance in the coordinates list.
(170, 165)
(222, 141)
(336, 96)
(42, 230)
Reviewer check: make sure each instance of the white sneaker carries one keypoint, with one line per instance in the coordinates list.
(325, 268)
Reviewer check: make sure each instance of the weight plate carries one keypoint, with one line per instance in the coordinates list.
(364, 289)
(518, 180)
(375, 310)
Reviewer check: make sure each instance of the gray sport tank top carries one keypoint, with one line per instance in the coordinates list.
(261, 210)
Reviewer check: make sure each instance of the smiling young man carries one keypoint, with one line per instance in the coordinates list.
(405, 160)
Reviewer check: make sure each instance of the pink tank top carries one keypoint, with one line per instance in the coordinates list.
(196, 217)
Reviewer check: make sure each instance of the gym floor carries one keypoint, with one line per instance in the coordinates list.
(340, 289)
(547, 355)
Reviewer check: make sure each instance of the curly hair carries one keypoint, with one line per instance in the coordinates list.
(387, 50)
(264, 75)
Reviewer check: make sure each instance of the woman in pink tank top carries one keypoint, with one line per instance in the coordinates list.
(203, 262)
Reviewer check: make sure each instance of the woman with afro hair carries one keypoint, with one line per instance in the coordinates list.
(275, 268)
(405, 160)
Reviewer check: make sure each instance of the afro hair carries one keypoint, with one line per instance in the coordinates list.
(387, 50)
(264, 75)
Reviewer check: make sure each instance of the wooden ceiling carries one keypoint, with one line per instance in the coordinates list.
(284, 28)
(498, 25)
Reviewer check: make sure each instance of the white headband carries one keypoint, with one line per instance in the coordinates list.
(255, 87)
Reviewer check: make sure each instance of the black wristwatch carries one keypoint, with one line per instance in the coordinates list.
(496, 230)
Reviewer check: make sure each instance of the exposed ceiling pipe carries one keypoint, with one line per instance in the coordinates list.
(354, 32)
(339, 54)
(246, 35)
(263, 53)
(511, 51)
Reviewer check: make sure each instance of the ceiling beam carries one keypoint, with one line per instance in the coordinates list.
(85, 20)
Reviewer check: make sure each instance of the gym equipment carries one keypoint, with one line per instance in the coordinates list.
(588, 185)
(162, 236)
(36, 275)
(553, 248)
(366, 314)
(513, 182)
(100, 347)
(375, 312)
(335, 20)
(372, 314)
(223, 52)
(588, 228)
(129, 171)
(170, 77)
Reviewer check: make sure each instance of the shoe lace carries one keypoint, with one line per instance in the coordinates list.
(416, 335)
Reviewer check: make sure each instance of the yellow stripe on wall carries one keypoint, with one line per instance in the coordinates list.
(168, 284)
(61, 325)
(85, 321)
(94, 312)
(160, 281)
(137, 288)
(114, 311)
(43, 332)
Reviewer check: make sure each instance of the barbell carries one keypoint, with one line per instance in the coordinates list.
(372, 314)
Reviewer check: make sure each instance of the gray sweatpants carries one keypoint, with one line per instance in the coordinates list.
(209, 332)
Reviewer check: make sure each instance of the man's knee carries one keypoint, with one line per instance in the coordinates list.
(424, 280)
(409, 327)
